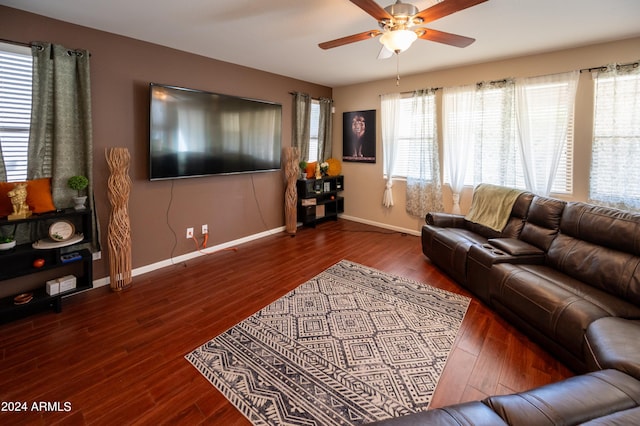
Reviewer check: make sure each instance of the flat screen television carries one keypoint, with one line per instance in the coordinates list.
(197, 133)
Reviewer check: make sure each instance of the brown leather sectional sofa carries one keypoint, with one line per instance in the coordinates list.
(568, 275)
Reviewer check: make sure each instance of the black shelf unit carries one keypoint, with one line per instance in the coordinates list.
(319, 199)
(18, 262)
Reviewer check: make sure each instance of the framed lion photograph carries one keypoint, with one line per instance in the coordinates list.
(359, 136)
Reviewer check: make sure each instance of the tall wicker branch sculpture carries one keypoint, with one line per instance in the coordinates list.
(119, 232)
(291, 172)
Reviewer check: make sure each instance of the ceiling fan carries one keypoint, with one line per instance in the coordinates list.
(400, 22)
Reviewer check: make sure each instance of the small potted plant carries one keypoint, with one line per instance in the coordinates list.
(303, 169)
(78, 183)
(7, 243)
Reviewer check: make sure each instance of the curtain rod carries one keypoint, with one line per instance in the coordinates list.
(604, 67)
(19, 43)
(408, 92)
(306, 94)
(22, 43)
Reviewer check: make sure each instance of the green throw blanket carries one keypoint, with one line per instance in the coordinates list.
(491, 205)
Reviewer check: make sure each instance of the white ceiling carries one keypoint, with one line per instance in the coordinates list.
(282, 36)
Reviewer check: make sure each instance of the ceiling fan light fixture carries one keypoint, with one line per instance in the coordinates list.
(398, 40)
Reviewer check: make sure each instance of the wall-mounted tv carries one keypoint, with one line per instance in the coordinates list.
(197, 133)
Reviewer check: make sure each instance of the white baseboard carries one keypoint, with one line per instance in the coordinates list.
(100, 282)
(381, 225)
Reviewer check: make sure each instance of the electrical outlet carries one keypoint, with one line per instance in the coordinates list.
(189, 232)
(205, 229)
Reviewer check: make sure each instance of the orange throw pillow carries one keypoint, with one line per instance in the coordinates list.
(38, 196)
(311, 170)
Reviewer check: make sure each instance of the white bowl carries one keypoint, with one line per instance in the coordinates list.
(8, 246)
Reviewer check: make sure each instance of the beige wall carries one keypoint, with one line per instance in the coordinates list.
(234, 206)
(243, 205)
(364, 183)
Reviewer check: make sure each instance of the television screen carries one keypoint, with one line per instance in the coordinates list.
(196, 133)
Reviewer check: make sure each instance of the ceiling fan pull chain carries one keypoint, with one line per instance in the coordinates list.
(397, 69)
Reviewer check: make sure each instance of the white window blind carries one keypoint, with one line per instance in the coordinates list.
(411, 123)
(15, 108)
(314, 128)
(615, 164)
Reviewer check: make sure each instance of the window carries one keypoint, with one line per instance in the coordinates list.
(15, 108)
(615, 163)
(493, 156)
(314, 129)
(496, 156)
(412, 133)
(546, 110)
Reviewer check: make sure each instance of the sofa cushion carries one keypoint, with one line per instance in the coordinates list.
(492, 205)
(607, 227)
(614, 343)
(571, 401)
(601, 247)
(620, 418)
(555, 304)
(613, 271)
(514, 225)
(543, 221)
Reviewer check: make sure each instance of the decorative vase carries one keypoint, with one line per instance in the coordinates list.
(290, 165)
(119, 231)
(79, 202)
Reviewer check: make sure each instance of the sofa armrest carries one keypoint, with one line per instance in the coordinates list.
(613, 342)
(515, 247)
(445, 220)
(576, 400)
(473, 413)
(488, 254)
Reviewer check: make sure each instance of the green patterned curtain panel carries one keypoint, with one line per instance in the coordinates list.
(61, 142)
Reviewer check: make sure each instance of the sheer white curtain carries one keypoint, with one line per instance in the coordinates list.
(544, 117)
(390, 111)
(615, 159)
(458, 133)
(495, 158)
(424, 192)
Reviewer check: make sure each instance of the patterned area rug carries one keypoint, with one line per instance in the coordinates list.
(350, 346)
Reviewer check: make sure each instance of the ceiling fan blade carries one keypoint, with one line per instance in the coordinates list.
(349, 39)
(445, 8)
(385, 53)
(373, 9)
(443, 37)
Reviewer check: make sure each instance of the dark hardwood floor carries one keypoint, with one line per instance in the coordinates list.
(118, 358)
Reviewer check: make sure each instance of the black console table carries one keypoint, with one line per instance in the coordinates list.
(319, 199)
(19, 261)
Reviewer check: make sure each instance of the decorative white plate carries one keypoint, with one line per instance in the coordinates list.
(61, 230)
(48, 243)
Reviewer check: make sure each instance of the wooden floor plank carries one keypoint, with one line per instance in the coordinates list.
(119, 357)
